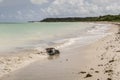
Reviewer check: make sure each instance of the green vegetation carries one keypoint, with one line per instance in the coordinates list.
(77, 19)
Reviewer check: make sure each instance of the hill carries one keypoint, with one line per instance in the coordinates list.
(77, 19)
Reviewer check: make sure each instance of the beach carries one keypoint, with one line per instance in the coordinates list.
(96, 60)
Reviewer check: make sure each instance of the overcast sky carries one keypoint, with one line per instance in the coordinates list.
(26, 10)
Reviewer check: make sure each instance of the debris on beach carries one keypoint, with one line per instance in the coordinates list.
(91, 69)
(111, 61)
(108, 71)
(118, 51)
(109, 79)
(118, 33)
(88, 75)
(96, 71)
(82, 72)
(52, 51)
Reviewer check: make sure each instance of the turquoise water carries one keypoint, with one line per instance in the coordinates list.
(32, 35)
(23, 34)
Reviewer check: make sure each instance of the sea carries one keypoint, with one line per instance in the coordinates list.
(15, 37)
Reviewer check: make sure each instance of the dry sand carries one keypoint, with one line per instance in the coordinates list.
(98, 61)
(105, 58)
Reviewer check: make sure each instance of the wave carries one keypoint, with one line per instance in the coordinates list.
(92, 34)
(12, 63)
(99, 29)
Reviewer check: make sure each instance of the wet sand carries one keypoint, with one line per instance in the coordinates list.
(12, 62)
(61, 67)
(97, 61)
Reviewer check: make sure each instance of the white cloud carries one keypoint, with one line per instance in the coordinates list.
(39, 1)
(82, 7)
(65, 7)
(59, 8)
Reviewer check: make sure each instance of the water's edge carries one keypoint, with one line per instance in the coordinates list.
(27, 56)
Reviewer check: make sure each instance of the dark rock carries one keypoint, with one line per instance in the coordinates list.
(100, 65)
(91, 69)
(108, 71)
(96, 71)
(118, 51)
(109, 79)
(111, 61)
(82, 72)
(88, 75)
(118, 33)
(52, 51)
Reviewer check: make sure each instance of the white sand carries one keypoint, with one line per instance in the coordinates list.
(104, 57)
(14, 62)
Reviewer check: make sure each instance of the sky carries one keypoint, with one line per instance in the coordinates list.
(27, 10)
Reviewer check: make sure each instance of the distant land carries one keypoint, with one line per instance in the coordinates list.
(82, 19)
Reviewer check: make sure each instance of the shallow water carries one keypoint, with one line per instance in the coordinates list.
(16, 37)
(70, 43)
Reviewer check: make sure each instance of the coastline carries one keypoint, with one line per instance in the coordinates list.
(97, 65)
(104, 57)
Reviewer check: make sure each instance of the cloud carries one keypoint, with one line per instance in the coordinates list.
(28, 15)
(56, 8)
(82, 7)
(39, 1)
(67, 8)
(1, 0)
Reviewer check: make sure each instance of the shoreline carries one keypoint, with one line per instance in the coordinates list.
(92, 48)
(105, 64)
(11, 63)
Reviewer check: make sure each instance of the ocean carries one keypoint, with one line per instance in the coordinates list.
(24, 36)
